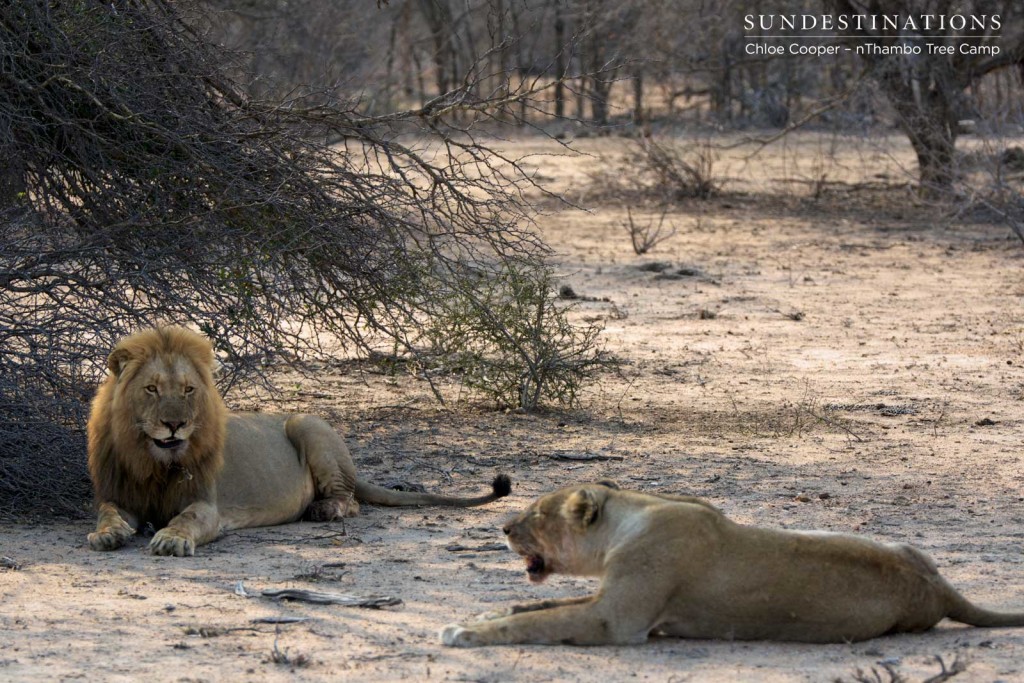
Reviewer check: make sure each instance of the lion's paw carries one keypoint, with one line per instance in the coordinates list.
(170, 542)
(110, 538)
(457, 635)
(331, 509)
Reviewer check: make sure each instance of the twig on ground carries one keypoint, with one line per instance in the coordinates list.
(957, 667)
(279, 657)
(834, 423)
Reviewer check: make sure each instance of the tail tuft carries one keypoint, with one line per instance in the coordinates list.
(502, 486)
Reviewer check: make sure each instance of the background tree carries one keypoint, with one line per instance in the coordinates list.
(929, 91)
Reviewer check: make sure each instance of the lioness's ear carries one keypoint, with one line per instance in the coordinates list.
(582, 508)
(117, 359)
(610, 484)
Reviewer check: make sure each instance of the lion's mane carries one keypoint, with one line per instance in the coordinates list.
(122, 471)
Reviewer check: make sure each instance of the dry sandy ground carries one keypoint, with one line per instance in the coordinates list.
(851, 363)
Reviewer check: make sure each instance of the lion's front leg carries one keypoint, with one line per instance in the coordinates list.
(581, 623)
(197, 524)
(114, 527)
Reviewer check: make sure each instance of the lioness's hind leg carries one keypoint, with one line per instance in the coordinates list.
(328, 459)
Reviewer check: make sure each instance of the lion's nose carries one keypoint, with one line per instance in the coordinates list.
(507, 529)
(173, 426)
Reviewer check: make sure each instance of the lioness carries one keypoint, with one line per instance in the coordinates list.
(163, 449)
(675, 565)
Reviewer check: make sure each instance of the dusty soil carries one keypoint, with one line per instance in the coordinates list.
(850, 362)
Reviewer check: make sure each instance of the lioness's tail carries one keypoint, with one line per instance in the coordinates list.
(378, 495)
(966, 612)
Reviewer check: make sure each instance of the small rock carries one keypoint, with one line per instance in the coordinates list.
(654, 266)
(567, 292)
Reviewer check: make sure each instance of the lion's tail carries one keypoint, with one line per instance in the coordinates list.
(966, 612)
(378, 495)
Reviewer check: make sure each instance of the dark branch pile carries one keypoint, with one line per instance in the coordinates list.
(143, 186)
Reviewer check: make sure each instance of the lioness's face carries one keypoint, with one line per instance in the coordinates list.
(165, 394)
(549, 532)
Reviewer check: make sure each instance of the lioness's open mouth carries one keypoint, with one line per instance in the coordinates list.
(536, 568)
(168, 443)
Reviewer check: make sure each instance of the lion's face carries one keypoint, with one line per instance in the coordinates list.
(164, 402)
(165, 394)
(550, 533)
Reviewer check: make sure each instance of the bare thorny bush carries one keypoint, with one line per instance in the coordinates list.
(646, 236)
(144, 186)
(677, 173)
(662, 171)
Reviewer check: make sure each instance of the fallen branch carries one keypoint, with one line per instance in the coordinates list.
(581, 457)
(486, 548)
(317, 598)
(214, 631)
(280, 620)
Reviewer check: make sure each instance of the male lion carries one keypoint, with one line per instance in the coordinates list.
(164, 449)
(675, 565)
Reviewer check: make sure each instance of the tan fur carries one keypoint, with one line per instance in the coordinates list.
(164, 450)
(677, 566)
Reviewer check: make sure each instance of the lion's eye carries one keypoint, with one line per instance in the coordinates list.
(189, 390)
(151, 389)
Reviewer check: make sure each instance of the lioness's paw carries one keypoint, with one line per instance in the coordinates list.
(457, 635)
(495, 614)
(110, 538)
(170, 542)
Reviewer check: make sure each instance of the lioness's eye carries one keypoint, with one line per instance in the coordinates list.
(151, 389)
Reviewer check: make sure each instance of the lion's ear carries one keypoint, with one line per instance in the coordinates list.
(582, 508)
(117, 359)
(610, 484)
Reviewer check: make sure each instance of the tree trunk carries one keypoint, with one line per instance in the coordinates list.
(601, 84)
(438, 17)
(927, 116)
(638, 98)
(559, 61)
(935, 156)
(599, 100)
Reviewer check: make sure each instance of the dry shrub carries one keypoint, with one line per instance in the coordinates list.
(661, 171)
(992, 187)
(677, 174)
(645, 237)
(509, 338)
